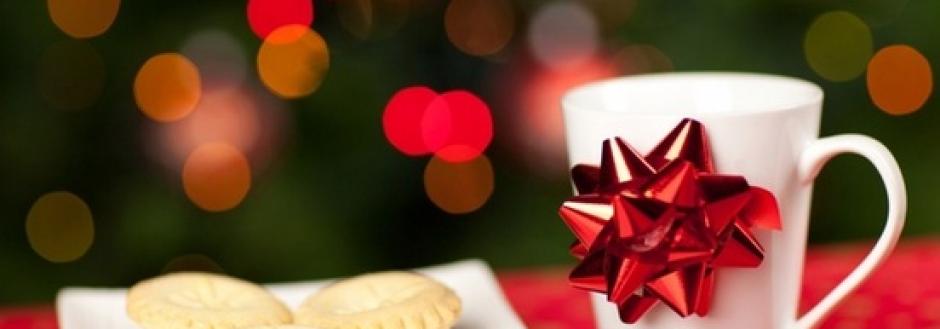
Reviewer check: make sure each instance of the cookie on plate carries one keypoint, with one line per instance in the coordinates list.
(386, 300)
(202, 300)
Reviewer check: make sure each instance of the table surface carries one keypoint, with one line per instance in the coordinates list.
(903, 293)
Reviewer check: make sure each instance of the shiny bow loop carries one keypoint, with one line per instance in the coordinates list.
(654, 228)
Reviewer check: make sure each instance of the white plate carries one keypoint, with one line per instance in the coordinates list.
(484, 305)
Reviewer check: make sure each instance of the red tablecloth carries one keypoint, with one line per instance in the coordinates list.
(904, 293)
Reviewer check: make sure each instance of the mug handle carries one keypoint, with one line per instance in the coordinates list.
(817, 154)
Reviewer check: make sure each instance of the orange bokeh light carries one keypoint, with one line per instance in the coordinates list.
(216, 177)
(292, 61)
(479, 27)
(459, 188)
(899, 79)
(167, 87)
(83, 18)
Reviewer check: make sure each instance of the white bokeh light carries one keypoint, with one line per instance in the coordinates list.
(563, 35)
(219, 56)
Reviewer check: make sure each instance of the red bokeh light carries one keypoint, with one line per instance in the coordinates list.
(265, 16)
(457, 126)
(402, 119)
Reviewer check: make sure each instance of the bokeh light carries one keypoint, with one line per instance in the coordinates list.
(293, 60)
(401, 120)
(71, 75)
(366, 18)
(60, 227)
(219, 56)
(640, 58)
(247, 118)
(837, 46)
(266, 16)
(457, 126)
(216, 177)
(611, 14)
(167, 87)
(356, 16)
(459, 188)
(222, 117)
(83, 18)
(479, 27)
(193, 263)
(537, 129)
(563, 34)
(899, 79)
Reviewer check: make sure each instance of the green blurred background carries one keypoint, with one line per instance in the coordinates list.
(334, 198)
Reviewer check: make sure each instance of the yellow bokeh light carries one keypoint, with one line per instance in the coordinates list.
(292, 61)
(167, 87)
(193, 263)
(83, 18)
(899, 79)
(216, 177)
(368, 18)
(459, 187)
(838, 45)
(356, 16)
(612, 14)
(479, 27)
(59, 227)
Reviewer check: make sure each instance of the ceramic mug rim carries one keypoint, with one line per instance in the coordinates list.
(809, 93)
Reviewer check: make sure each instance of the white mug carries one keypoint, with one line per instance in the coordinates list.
(764, 128)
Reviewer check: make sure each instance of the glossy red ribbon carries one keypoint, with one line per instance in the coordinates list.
(655, 228)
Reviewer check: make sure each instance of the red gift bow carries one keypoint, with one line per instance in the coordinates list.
(655, 228)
